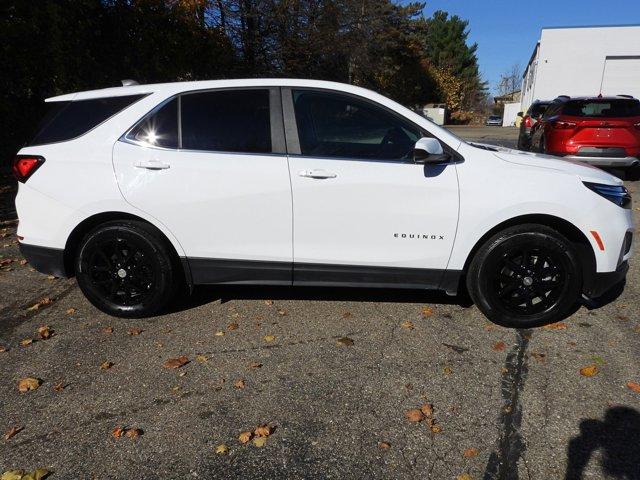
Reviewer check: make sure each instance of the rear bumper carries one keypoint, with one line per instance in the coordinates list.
(49, 261)
(606, 161)
(601, 283)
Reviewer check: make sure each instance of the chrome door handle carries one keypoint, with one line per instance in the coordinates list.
(317, 174)
(152, 165)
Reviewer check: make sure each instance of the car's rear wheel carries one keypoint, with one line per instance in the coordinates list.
(525, 276)
(126, 269)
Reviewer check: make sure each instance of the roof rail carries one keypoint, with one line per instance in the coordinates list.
(128, 82)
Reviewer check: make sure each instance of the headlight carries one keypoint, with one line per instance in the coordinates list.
(615, 193)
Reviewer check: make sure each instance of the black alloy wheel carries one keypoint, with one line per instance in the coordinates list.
(525, 276)
(125, 269)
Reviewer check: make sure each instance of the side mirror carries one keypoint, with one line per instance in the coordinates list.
(521, 114)
(429, 150)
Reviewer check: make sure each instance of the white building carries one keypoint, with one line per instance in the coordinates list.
(583, 61)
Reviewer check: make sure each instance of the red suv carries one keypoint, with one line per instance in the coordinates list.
(602, 131)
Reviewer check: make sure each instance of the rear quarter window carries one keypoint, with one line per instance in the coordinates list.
(68, 120)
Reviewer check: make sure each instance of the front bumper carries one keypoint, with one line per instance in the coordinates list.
(49, 261)
(601, 283)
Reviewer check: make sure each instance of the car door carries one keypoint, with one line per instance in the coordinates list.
(211, 166)
(364, 212)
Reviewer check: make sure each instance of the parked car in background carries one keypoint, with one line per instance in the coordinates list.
(493, 121)
(529, 119)
(138, 189)
(602, 131)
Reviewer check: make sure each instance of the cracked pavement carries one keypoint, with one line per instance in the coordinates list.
(523, 405)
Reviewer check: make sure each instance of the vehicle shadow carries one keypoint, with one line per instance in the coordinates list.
(8, 190)
(205, 294)
(617, 437)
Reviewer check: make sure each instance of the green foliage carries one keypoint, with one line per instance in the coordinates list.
(50, 47)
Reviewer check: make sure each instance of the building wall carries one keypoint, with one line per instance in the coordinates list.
(571, 61)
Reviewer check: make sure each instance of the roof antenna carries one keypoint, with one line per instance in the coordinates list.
(128, 82)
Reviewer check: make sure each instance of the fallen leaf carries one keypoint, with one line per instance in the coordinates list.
(176, 362)
(255, 365)
(259, 441)
(346, 315)
(12, 432)
(470, 452)
(27, 384)
(589, 371)
(107, 330)
(268, 302)
(634, 386)
(71, 311)
(498, 346)
(201, 359)
(282, 312)
(239, 384)
(407, 325)
(244, 437)
(135, 331)
(106, 365)
(45, 332)
(624, 318)
(447, 370)
(44, 301)
(262, 431)
(23, 262)
(540, 357)
(219, 334)
(414, 415)
(427, 312)
(269, 338)
(222, 449)
(3, 348)
(58, 387)
(117, 432)
(384, 445)
(26, 342)
(133, 432)
(435, 428)
(344, 342)
(12, 475)
(232, 326)
(464, 476)
(556, 326)
(489, 326)
(427, 409)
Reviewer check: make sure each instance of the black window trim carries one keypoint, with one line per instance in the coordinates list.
(293, 141)
(278, 145)
(139, 95)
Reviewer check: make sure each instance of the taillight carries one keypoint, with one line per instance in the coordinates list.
(25, 165)
(561, 125)
(527, 121)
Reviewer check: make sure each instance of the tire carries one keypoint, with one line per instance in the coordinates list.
(126, 269)
(525, 276)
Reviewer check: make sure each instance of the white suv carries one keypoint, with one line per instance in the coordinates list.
(138, 189)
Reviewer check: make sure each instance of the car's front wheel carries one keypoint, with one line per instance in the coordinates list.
(125, 269)
(525, 276)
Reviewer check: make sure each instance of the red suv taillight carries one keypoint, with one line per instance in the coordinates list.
(561, 125)
(527, 121)
(25, 165)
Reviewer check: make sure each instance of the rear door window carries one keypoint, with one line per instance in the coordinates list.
(159, 128)
(226, 121)
(68, 120)
(602, 108)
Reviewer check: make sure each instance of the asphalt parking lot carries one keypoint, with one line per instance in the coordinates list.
(335, 375)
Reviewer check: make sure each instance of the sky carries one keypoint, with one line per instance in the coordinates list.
(507, 31)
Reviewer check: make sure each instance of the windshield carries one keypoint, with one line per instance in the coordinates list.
(602, 108)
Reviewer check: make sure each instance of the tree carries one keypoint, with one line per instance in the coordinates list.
(511, 80)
